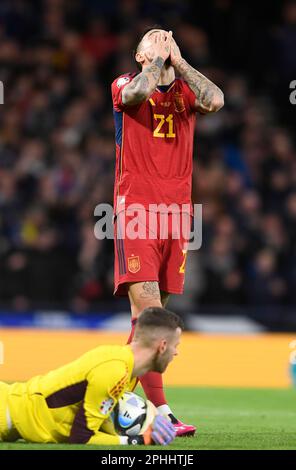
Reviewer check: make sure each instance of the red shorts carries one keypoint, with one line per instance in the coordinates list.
(152, 256)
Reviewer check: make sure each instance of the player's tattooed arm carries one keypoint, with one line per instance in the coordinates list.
(143, 85)
(150, 290)
(209, 97)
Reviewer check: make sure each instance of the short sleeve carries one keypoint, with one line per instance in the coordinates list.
(116, 88)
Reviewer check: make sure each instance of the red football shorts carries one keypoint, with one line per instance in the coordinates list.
(157, 254)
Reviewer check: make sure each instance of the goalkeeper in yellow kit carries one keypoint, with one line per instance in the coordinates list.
(73, 403)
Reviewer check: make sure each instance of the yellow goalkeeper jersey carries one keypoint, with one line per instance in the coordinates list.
(72, 403)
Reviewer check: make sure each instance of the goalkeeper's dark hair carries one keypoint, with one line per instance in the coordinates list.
(139, 40)
(154, 318)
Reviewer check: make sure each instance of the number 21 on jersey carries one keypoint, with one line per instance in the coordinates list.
(165, 126)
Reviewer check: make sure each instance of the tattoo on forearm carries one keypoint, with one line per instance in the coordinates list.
(140, 81)
(150, 290)
(202, 87)
(157, 62)
(147, 80)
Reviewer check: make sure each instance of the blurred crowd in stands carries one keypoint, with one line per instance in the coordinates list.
(57, 152)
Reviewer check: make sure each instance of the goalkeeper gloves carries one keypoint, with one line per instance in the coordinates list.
(161, 432)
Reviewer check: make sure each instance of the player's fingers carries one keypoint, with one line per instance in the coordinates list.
(165, 421)
(164, 430)
(157, 438)
(167, 431)
(161, 439)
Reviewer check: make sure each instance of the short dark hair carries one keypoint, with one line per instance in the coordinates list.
(158, 317)
(139, 40)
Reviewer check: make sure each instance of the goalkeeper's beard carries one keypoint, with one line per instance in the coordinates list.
(160, 362)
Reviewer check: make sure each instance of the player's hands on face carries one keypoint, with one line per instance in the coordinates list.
(176, 56)
(161, 45)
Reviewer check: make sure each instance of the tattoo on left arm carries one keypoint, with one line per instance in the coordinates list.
(208, 95)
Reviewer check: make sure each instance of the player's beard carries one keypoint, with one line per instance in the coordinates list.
(160, 363)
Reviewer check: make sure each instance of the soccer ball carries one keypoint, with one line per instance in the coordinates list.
(133, 415)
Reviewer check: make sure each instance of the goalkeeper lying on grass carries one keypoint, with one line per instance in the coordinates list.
(73, 403)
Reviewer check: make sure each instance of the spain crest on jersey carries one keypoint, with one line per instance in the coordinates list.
(179, 102)
(133, 264)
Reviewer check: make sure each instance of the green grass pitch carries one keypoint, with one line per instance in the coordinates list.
(225, 419)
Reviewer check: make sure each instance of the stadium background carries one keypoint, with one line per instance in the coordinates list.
(57, 61)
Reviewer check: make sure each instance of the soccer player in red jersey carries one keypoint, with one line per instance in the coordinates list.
(154, 115)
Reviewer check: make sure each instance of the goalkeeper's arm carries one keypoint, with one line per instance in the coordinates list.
(160, 432)
(89, 419)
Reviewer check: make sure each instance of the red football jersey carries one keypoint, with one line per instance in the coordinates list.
(154, 144)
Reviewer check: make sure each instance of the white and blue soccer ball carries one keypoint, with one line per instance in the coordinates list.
(133, 415)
